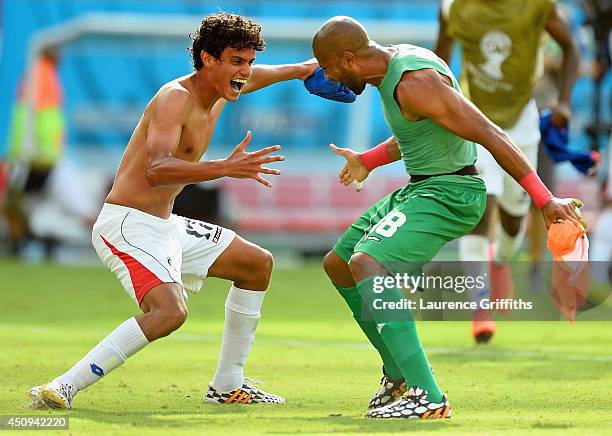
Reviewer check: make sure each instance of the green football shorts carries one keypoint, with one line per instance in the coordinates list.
(410, 225)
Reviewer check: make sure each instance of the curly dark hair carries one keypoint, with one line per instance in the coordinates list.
(221, 30)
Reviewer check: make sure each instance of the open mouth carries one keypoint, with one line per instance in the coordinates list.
(237, 84)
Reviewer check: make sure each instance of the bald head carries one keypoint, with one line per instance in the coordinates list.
(337, 35)
(340, 46)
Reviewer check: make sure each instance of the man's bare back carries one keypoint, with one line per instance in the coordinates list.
(132, 187)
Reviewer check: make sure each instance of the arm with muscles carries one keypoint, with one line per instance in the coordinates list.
(309, 71)
(559, 29)
(266, 75)
(359, 165)
(426, 94)
(163, 169)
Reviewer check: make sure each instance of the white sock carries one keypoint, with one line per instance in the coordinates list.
(508, 246)
(474, 248)
(242, 313)
(123, 342)
(474, 255)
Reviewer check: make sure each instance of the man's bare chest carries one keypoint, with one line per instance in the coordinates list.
(195, 138)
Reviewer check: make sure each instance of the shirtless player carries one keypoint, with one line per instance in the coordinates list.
(157, 255)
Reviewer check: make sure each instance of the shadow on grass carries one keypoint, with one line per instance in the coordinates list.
(354, 424)
(254, 418)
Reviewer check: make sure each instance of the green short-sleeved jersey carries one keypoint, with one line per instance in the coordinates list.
(426, 147)
(500, 41)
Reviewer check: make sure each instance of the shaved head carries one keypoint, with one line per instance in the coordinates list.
(337, 45)
(339, 34)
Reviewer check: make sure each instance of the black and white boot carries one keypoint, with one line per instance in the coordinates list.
(246, 394)
(389, 392)
(416, 405)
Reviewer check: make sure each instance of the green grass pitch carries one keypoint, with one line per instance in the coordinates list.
(542, 378)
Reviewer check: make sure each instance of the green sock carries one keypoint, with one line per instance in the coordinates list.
(352, 298)
(399, 334)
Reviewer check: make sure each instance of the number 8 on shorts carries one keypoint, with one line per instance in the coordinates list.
(390, 223)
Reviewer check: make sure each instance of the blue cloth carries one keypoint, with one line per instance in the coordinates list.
(556, 141)
(317, 84)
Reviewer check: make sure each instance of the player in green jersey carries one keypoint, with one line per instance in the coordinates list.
(434, 130)
(500, 43)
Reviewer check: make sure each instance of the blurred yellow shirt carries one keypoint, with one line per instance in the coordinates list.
(500, 41)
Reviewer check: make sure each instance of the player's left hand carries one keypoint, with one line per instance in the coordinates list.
(560, 209)
(354, 170)
(309, 67)
(318, 84)
(561, 115)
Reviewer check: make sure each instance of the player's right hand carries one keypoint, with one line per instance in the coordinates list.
(561, 115)
(354, 170)
(249, 165)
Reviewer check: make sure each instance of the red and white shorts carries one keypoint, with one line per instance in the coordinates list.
(144, 250)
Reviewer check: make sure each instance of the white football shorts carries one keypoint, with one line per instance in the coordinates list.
(143, 250)
(525, 133)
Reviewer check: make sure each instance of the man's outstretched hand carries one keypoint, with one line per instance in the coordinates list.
(249, 165)
(354, 170)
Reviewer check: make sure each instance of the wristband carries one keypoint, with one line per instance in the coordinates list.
(536, 189)
(376, 157)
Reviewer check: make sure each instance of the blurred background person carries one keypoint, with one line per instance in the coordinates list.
(601, 248)
(500, 42)
(599, 18)
(546, 94)
(37, 172)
